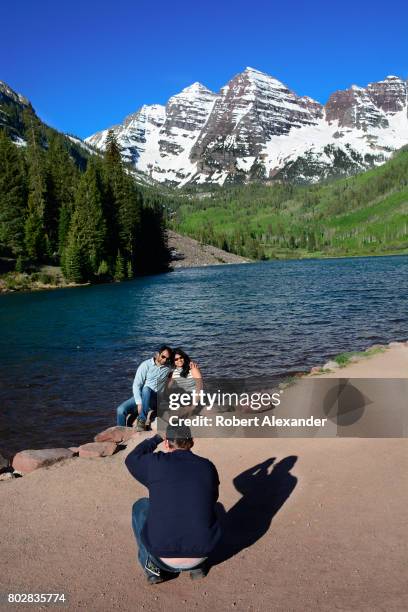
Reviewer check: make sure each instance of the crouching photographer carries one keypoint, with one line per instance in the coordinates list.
(176, 528)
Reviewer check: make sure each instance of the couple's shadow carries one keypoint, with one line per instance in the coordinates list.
(263, 494)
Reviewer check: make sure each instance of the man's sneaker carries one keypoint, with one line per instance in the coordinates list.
(140, 425)
(151, 567)
(153, 573)
(197, 574)
(155, 579)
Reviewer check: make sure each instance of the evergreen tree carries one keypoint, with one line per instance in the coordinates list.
(87, 231)
(64, 219)
(129, 218)
(122, 204)
(34, 233)
(120, 267)
(36, 239)
(21, 264)
(129, 270)
(74, 262)
(62, 181)
(113, 174)
(103, 269)
(12, 197)
(112, 151)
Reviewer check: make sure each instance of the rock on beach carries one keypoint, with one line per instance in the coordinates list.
(29, 460)
(97, 449)
(115, 434)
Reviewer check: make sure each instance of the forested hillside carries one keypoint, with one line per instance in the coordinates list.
(361, 215)
(62, 205)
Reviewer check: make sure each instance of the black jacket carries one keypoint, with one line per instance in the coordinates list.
(183, 490)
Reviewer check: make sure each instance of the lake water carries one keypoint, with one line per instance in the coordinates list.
(68, 357)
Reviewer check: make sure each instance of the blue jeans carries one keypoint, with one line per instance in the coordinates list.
(139, 516)
(149, 402)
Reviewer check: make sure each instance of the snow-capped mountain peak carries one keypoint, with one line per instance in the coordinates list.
(196, 88)
(261, 78)
(256, 127)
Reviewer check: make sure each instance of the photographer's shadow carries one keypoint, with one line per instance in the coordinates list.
(263, 494)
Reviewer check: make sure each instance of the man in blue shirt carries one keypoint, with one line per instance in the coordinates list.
(151, 377)
(177, 527)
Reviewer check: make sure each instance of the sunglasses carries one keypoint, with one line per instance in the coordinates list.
(179, 359)
(164, 357)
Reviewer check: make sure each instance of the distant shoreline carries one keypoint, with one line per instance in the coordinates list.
(186, 253)
(177, 264)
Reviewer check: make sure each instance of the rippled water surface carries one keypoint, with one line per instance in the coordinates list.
(68, 357)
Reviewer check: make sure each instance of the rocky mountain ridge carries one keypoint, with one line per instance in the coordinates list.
(12, 106)
(17, 115)
(257, 128)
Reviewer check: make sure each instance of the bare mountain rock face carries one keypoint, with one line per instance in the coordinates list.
(257, 128)
(389, 95)
(354, 108)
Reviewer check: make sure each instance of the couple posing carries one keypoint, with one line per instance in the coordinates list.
(167, 368)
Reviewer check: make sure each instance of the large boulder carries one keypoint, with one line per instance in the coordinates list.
(29, 460)
(97, 449)
(116, 434)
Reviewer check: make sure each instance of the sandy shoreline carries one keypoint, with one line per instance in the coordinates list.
(392, 363)
(325, 530)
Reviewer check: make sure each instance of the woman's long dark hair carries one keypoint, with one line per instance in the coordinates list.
(186, 366)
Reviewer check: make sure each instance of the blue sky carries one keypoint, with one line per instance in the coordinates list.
(86, 64)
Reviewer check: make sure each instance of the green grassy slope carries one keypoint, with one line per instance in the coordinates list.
(366, 214)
